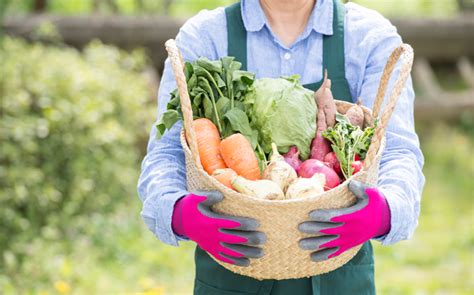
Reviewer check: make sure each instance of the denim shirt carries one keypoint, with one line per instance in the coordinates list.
(369, 40)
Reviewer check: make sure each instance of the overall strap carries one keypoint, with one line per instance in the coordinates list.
(333, 48)
(333, 56)
(236, 34)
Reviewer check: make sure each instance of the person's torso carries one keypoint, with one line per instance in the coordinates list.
(268, 57)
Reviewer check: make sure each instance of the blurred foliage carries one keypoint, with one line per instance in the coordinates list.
(70, 123)
(186, 8)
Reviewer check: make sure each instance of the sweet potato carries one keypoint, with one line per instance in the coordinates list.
(325, 101)
(355, 115)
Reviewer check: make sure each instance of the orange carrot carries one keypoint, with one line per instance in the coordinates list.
(208, 142)
(225, 176)
(238, 154)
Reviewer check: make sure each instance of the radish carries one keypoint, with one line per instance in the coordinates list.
(333, 162)
(320, 147)
(356, 166)
(312, 166)
(292, 158)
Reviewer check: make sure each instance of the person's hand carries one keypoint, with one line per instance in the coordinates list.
(337, 230)
(228, 238)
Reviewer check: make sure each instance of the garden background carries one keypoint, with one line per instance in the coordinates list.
(73, 128)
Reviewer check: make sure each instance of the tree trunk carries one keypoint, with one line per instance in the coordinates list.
(40, 5)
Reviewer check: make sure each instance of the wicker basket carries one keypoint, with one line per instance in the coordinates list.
(283, 259)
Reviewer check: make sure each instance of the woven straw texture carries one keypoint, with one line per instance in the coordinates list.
(283, 259)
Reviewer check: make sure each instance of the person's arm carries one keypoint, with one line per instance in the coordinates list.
(163, 179)
(400, 174)
(388, 212)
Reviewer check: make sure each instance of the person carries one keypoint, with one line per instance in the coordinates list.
(274, 38)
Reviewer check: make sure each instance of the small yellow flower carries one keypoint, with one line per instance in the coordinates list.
(62, 287)
(154, 291)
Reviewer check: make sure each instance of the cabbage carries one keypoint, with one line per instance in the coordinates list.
(283, 112)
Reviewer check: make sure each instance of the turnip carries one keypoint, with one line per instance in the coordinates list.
(292, 158)
(279, 171)
(312, 166)
(306, 187)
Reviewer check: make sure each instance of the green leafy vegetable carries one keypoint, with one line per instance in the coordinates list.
(215, 89)
(347, 141)
(283, 112)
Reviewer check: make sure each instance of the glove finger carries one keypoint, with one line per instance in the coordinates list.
(314, 243)
(358, 189)
(247, 251)
(314, 227)
(212, 197)
(254, 238)
(242, 261)
(241, 223)
(229, 252)
(324, 254)
(326, 215)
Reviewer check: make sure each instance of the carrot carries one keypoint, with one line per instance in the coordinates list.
(238, 154)
(225, 176)
(208, 142)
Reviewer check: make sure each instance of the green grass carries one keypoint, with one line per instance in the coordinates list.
(117, 254)
(439, 259)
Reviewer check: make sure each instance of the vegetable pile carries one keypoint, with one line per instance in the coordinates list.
(240, 122)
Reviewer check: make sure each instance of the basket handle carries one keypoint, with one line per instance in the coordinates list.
(178, 65)
(405, 53)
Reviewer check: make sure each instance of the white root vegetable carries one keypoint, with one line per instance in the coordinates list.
(264, 188)
(305, 187)
(279, 171)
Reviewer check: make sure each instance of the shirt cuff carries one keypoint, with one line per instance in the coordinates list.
(396, 216)
(160, 224)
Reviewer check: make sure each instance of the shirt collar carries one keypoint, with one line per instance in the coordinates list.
(320, 20)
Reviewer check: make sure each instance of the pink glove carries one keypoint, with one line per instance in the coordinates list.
(338, 230)
(228, 238)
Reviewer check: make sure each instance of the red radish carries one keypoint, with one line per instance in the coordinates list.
(333, 162)
(356, 157)
(357, 166)
(312, 166)
(320, 147)
(292, 158)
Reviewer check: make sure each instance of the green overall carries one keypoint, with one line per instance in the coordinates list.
(356, 276)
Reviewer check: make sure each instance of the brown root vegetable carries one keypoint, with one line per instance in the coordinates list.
(262, 189)
(355, 115)
(325, 102)
(306, 187)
